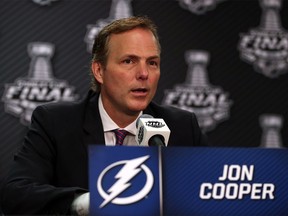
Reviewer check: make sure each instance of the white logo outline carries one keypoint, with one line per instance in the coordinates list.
(134, 166)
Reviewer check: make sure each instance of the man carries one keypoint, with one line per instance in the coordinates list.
(49, 174)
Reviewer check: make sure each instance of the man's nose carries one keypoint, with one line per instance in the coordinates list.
(143, 71)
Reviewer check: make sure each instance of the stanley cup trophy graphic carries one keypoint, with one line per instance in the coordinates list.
(40, 66)
(39, 87)
(266, 47)
(209, 103)
(197, 74)
(199, 7)
(119, 9)
(270, 21)
(271, 126)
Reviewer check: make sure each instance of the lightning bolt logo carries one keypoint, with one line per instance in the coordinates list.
(129, 170)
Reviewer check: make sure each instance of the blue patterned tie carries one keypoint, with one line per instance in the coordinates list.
(120, 136)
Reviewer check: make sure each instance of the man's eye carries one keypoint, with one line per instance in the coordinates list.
(153, 63)
(127, 61)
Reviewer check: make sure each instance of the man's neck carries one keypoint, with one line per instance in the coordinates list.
(122, 119)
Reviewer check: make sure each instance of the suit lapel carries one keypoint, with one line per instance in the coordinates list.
(92, 125)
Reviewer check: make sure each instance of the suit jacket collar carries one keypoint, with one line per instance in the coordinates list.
(92, 124)
(150, 110)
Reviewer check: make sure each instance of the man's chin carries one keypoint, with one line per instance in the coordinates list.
(136, 108)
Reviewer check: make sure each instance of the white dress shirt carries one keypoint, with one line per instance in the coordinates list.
(109, 125)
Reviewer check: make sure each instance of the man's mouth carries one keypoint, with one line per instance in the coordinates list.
(140, 90)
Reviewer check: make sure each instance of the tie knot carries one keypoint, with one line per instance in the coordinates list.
(120, 136)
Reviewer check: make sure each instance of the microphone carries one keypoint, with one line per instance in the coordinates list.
(151, 131)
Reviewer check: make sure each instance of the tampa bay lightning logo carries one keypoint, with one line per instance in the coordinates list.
(130, 169)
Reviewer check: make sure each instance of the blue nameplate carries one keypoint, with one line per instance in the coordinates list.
(188, 181)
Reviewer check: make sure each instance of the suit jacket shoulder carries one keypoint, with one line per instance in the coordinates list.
(184, 127)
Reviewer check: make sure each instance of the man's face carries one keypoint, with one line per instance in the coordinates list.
(129, 81)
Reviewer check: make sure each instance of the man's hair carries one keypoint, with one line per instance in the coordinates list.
(101, 41)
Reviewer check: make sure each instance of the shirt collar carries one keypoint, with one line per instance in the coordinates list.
(109, 124)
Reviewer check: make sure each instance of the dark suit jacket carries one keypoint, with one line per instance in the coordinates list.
(51, 167)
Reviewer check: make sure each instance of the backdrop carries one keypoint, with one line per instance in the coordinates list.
(225, 60)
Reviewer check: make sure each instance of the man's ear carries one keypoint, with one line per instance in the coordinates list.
(97, 70)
